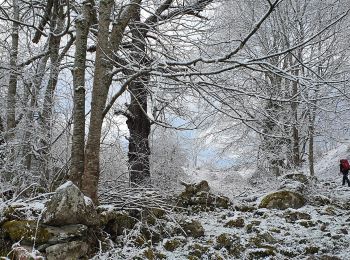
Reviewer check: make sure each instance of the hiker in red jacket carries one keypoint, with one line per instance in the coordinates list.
(344, 169)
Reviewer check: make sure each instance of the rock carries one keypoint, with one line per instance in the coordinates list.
(198, 197)
(115, 222)
(231, 243)
(22, 211)
(283, 200)
(311, 250)
(192, 228)
(297, 176)
(198, 250)
(319, 200)
(70, 250)
(29, 231)
(237, 223)
(25, 253)
(245, 208)
(292, 216)
(260, 240)
(260, 253)
(69, 206)
(172, 244)
(307, 223)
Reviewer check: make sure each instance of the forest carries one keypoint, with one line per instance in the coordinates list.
(174, 129)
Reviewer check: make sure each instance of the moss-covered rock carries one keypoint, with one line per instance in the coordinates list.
(192, 228)
(172, 244)
(70, 250)
(231, 243)
(261, 240)
(319, 200)
(311, 250)
(245, 208)
(29, 231)
(297, 176)
(115, 222)
(198, 198)
(260, 253)
(292, 216)
(307, 223)
(198, 250)
(235, 223)
(283, 200)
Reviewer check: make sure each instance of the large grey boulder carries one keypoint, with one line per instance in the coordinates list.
(69, 206)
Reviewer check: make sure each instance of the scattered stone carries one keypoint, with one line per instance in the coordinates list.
(69, 250)
(115, 222)
(283, 200)
(69, 206)
(172, 244)
(198, 250)
(198, 197)
(192, 228)
(25, 253)
(307, 223)
(311, 250)
(30, 231)
(235, 223)
(318, 200)
(260, 253)
(293, 216)
(297, 176)
(245, 208)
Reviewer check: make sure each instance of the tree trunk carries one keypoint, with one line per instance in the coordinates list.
(139, 128)
(12, 87)
(57, 23)
(102, 81)
(78, 139)
(138, 122)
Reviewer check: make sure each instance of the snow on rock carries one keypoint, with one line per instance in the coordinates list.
(69, 206)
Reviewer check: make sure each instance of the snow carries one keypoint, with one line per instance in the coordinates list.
(328, 233)
(64, 185)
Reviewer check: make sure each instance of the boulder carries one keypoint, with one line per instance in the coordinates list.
(29, 231)
(297, 176)
(70, 250)
(283, 200)
(293, 216)
(172, 244)
(192, 228)
(235, 223)
(198, 197)
(69, 206)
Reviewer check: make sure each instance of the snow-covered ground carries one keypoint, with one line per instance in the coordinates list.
(319, 230)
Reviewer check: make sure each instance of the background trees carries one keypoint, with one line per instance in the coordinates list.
(131, 68)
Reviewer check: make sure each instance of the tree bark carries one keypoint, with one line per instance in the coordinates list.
(12, 87)
(138, 122)
(78, 139)
(102, 81)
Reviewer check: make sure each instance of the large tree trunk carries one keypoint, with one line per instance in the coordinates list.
(138, 121)
(102, 81)
(78, 139)
(12, 87)
(139, 127)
